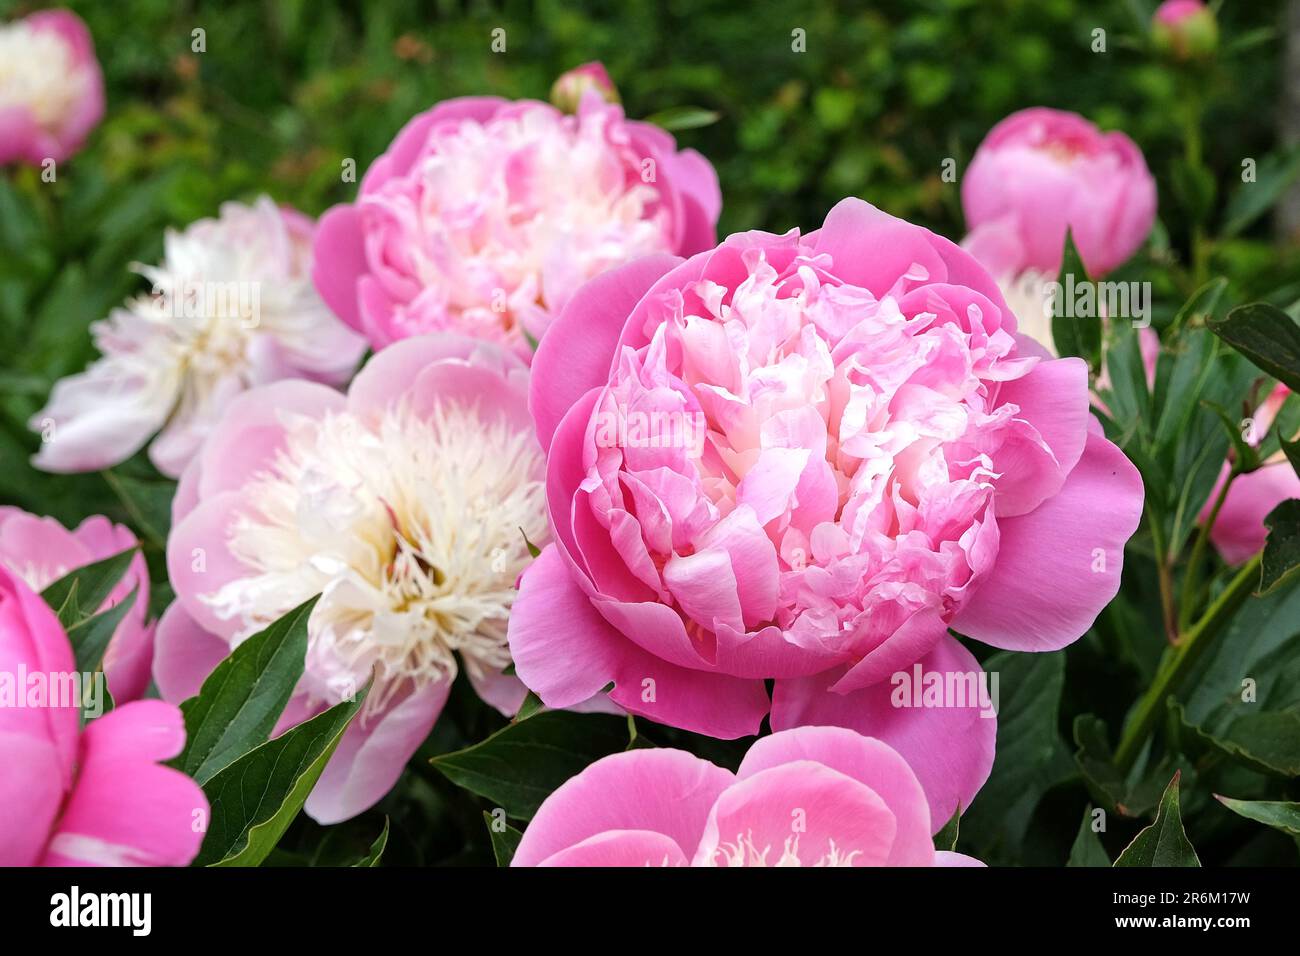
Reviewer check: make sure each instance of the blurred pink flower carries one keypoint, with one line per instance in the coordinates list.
(1040, 171)
(803, 458)
(51, 87)
(92, 797)
(232, 307)
(485, 216)
(40, 551)
(1239, 533)
(404, 505)
(815, 796)
(1185, 29)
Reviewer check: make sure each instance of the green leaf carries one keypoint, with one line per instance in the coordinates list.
(90, 636)
(946, 838)
(149, 503)
(1246, 457)
(1292, 451)
(255, 798)
(1267, 336)
(533, 549)
(80, 593)
(1264, 740)
(1274, 813)
(1076, 336)
(532, 705)
(1164, 842)
(684, 117)
(1251, 200)
(372, 858)
(1282, 547)
(1203, 303)
(505, 839)
(1030, 759)
(520, 765)
(1087, 849)
(241, 700)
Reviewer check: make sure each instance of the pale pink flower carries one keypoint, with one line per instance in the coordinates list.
(485, 216)
(232, 306)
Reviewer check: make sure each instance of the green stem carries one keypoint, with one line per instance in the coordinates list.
(1191, 580)
(1179, 659)
(1163, 576)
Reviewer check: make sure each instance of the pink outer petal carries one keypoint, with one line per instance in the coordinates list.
(32, 640)
(807, 801)
(949, 858)
(505, 692)
(126, 810)
(413, 365)
(86, 113)
(620, 848)
(1059, 565)
(565, 651)
(372, 754)
(199, 561)
(949, 748)
(184, 654)
(252, 429)
(31, 794)
(869, 761)
(1239, 531)
(338, 261)
(576, 354)
(662, 790)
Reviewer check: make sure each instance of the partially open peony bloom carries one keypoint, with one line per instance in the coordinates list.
(814, 796)
(804, 458)
(485, 215)
(1239, 532)
(51, 87)
(40, 551)
(404, 505)
(1040, 171)
(97, 796)
(232, 307)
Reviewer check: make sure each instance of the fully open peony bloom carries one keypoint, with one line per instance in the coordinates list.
(1038, 172)
(1239, 532)
(232, 307)
(803, 458)
(485, 215)
(51, 87)
(40, 551)
(404, 505)
(92, 797)
(815, 796)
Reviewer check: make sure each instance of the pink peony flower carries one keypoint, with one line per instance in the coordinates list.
(814, 796)
(232, 307)
(40, 551)
(404, 505)
(804, 458)
(1040, 171)
(92, 797)
(51, 87)
(1239, 533)
(485, 216)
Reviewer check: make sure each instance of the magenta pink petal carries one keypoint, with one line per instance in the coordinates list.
(184, 654)
(620, 848)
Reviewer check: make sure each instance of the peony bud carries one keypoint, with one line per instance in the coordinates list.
(568, 90)
(1185, 30)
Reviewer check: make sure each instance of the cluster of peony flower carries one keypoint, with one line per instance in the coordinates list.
(802, 460)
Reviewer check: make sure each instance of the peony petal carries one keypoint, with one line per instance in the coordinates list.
(184, 654)
(620, 848)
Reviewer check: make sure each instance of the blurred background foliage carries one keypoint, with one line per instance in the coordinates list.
(287, 90)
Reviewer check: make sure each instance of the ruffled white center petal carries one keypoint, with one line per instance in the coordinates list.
(412, 531)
